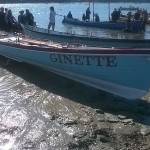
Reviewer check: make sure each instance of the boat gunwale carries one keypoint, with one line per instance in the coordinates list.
(76, 50)
(94, 38)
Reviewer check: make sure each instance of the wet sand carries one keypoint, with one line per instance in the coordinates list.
(43, 111)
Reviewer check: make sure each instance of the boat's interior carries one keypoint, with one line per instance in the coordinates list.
(23, 40)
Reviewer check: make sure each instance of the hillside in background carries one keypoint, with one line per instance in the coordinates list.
(48, 1)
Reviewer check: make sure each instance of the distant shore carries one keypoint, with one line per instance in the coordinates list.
(69, 1)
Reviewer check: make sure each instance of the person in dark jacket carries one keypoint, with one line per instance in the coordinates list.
(97, 18)
(2, 19)
(29, 18)
(69, 16)
(144, 19)
(129, 15)
(21, 17)
(114, 15)
(137, 15)
(83, 17)
(88, 12)
(10, 21)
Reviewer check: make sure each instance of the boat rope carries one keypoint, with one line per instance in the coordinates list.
(60, 15)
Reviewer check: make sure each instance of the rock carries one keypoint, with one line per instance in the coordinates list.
(126, 121)
(145, 131)
(72, 146)
(102, 138)
(52, 117)
(127, 130)
(122, 117)
(29, 145)
(53, 132)
(111, 118)
(85, 120)
(147, 147)
(99, 111)
(86, 110)
(79, 134)
(100, 117)
(70, 122)
(83, 139)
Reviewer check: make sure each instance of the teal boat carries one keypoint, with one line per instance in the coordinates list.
(121, 71)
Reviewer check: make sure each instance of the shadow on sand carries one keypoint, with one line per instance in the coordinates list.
(138, 110)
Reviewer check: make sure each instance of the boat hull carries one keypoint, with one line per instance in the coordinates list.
(122, 74)
(40, 33)
(135, 25)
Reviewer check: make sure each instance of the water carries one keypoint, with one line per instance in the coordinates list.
(41, 14)
(35, 104)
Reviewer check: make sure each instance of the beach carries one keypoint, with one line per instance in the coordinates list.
(41, 110)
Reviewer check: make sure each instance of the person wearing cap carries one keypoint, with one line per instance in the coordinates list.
(52, 19)
(21, 17)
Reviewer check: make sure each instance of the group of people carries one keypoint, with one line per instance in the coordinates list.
(9, 23)
(139, 16)
(26, 18)
(7, 20)
(86, 16)
(115, 15)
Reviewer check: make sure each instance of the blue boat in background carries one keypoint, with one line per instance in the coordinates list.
(130, 8)
(136, 26)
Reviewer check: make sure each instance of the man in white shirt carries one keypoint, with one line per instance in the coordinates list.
(52, 18)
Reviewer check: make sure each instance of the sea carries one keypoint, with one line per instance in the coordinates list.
(33, 100)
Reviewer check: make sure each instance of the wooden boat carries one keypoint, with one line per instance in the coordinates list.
(40, 33)
(121, 71)
(136, 26)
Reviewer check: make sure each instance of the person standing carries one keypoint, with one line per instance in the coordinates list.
(144, 19)
(88, 12)
(129, 20)
(52, 18)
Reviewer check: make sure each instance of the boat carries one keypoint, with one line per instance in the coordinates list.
(136, 26)
(130, 8)
(121, 71)
(40, 33)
